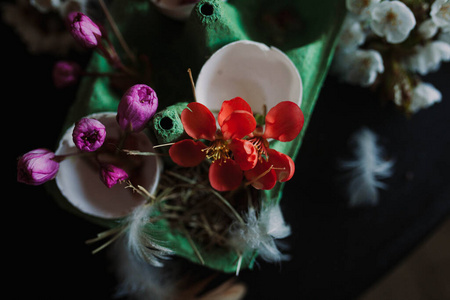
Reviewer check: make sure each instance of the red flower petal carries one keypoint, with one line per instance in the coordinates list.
(187, 153)
(262, 176)
(283, 165)
(238, 124)
(244, 153)
(284, 121)
(225, 175)
(198, 121)
(230, 106)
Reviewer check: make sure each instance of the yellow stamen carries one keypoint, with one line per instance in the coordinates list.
(217, 151)
(261, 146)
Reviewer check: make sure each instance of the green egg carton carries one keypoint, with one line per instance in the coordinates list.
(306, 31)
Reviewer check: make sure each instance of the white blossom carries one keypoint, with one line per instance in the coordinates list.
(360, 7)
(352, 34)
(392, 20)
(424, 95)
(64, 7)
(360, 67)
(428, 58)
(37, 41)
(340, 62)
(427, 29)
(45, 5)
(440, 13)
(72, 5)
(444, 37)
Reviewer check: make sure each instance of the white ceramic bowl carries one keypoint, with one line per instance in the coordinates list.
(79, 181)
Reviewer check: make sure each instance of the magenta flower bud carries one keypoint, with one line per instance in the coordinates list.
(88, 134)
(37, 166)
(84, 30)
(137, 107)
(66, 73)
(111, 175)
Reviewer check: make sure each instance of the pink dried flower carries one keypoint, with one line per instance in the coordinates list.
(88, 134)
(111, 175)
(137, 107)
(66, 73)
(37, 166)
(84, 30)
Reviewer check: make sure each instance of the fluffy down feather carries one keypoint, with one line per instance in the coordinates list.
(366, 169)
(259, 233)
(140, 238)
(138, 279)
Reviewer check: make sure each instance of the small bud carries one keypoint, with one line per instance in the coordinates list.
(111, 175)
(84, 30)
(89, 134)
(66, 73)
(37, 166)
(137, 107)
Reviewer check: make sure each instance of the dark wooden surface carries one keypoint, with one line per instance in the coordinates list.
(337, 252)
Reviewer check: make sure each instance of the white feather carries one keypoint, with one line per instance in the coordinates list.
(366, 169)
(259, 233)
(138, 279)
(137, 259)
(140, 237)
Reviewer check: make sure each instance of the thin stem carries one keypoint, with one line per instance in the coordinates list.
(108, 242)
(145, 192)
(142, 191)
(100, 74)
(194, 247)
(117, 31)
(114, 232)
(163, 145)
(185, 179)
(137, 152)
(239, 263)
(60, 158)
(104, 234)
(227, 204)
(122, 139)
(260, 176)
(192, 84)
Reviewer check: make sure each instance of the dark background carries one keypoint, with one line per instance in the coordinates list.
(337, 251)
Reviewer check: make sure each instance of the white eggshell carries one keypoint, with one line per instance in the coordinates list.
(79, 181)
(253, 71)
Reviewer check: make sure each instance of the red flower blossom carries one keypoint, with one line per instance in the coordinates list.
(232, 156)
(229, 154)
(283, 122)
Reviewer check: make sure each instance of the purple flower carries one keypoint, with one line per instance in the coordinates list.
(89, 134)
(137, 107)
(84, 30)
(37, 166)
(111, 175)
(65, 73)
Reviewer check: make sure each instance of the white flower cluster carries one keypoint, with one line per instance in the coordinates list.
(383, 40)
(40, 23)
(62, 6)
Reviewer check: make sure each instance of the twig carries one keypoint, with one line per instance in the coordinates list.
(191, 242)
(117, 31)
(227, 204)
(192, 84)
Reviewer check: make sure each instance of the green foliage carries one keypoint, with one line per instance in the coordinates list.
(306, 31)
